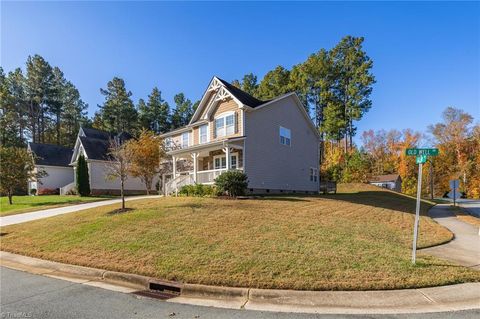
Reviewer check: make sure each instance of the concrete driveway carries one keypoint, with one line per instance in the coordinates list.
(464, 249)
(26, 217)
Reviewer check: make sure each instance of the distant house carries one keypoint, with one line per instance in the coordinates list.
(390, 181)
(94, 145)
(54, 160)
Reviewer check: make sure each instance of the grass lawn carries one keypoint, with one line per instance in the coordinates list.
(24, 204)
(358, 239)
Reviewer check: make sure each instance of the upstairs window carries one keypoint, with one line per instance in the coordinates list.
(225, 125)
(203, 134)
(185, 139)
(285, 136)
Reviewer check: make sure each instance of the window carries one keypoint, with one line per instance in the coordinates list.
(220, 161)
(203, 134)
(185, 137)
(285, 136)
(225, 125)
(168, 143)
(313, 174)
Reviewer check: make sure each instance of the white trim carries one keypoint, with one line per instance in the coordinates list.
(221, 92)
(226, 113)
(52, 166)
(176, 131)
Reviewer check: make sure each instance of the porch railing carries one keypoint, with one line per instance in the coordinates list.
(187, 178)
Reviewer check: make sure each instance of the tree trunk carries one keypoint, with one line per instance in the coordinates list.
(351, 134)
(147, 186)
(10, 197)
(432, 195)
(122, 194)
(58, 128)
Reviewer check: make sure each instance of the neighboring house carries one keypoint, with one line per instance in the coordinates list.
(54, 160)
(274, 142)
(390, 181)
(94, 145)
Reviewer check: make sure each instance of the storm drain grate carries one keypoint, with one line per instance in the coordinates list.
(161, 290)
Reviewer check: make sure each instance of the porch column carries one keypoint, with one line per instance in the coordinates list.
(174, 166)
(227, 158)
(195, 166)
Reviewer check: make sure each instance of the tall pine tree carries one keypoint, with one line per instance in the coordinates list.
(154, 115)
(183, 111)
(118, 113)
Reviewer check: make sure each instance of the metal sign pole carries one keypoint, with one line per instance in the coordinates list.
(417, 213)
(454, 193)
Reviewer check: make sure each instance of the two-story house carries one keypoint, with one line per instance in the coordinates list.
(274, 142)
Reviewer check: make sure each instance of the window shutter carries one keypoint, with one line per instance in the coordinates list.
(214, 129)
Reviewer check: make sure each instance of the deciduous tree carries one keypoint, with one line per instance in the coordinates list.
(17, 167)
(145, 156)
(119, 164)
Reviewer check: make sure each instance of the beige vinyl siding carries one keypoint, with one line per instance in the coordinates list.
(202, 114)
(271, 165)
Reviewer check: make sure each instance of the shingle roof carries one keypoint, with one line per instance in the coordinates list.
(95, 148)
(94, 133)
(385, 178)
(51, 155)
(242, 96)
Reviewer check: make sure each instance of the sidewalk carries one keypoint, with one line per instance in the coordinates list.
(436, 299)
(464, 249)
(26, 217)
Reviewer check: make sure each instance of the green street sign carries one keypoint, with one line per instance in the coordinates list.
(422, 151)
(421, 159)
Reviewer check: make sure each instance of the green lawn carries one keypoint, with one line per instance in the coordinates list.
(24, 204)
(355, 240)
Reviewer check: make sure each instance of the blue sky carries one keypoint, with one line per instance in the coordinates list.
(426, 55)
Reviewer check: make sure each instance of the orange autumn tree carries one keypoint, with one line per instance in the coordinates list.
(407, 168)
(458, 142)
(145, 154)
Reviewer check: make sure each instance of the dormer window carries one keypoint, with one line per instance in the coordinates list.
(225, 124)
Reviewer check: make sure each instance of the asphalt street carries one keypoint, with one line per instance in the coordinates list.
(24, 295)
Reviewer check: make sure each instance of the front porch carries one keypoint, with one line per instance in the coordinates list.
(201, 164)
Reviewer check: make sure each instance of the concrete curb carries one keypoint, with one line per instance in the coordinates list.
(435, 299)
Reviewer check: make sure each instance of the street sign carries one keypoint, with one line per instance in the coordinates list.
(454, 183)
(454, 191)
(421, 159)
(422, 154)
(422, 151)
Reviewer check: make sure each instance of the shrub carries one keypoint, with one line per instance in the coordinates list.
(232, 183)
(73, 191)
(83, 180)
(198, 190)
(49, 191)
(33, 191)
